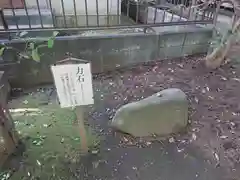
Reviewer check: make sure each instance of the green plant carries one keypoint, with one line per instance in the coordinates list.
(32, 46)
(51, 138)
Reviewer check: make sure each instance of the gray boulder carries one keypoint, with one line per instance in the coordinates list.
(163, 113)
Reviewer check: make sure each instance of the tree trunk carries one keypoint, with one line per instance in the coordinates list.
(217, 57)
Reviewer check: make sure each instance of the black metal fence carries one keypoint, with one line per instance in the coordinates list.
(94, 14)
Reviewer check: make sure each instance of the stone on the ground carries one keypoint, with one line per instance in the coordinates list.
(161, 114)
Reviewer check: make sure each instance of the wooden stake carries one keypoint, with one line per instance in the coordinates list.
(83, 134)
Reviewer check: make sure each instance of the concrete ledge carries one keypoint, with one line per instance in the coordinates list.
(106, 52)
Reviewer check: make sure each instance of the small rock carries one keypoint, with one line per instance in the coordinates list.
(162, 114)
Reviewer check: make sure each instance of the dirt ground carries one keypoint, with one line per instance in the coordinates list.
(209, 149)
(214, 103)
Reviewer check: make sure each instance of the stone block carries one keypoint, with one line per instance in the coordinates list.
(198, 38)
(168, 40)
(170, 52)
(194, 49)
(163, 113)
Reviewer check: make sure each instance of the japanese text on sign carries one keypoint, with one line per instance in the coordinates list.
(74, 84)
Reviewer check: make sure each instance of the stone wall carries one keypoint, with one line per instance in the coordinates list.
(106, 52)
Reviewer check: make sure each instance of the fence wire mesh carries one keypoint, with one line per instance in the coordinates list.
(100, 14)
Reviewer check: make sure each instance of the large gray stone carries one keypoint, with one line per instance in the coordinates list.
(162, 114)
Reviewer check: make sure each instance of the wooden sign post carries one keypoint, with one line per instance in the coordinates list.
(73, 81)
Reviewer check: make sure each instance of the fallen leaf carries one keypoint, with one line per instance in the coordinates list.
(180, 65)
(148, 143)
(236, 79)
(125, 139)
(216, 156)
(38, 162)
(223, 78)
(39, 143)
(134, 168)
(171, 140)
(45, 125)
(210, 97)
(180, 150)
(196, 99)
(194, 137)
(25, 102)
(154, 68)
(95, 151)
(223, 137)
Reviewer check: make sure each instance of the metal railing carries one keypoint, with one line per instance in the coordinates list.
(92, 15)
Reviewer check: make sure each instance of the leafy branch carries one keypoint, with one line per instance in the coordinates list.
(32, 47)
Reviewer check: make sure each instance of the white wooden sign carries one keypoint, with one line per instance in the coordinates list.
(74, 84)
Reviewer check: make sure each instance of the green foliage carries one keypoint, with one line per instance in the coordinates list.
(51, 137)
(35, 55)
(51, 40)
(32, 47)
(2, 50)
(50, 43)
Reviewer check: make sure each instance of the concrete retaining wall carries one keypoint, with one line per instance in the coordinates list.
(106, 52)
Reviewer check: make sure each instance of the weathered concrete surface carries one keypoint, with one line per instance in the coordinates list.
(162, 114)
(105, 52)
